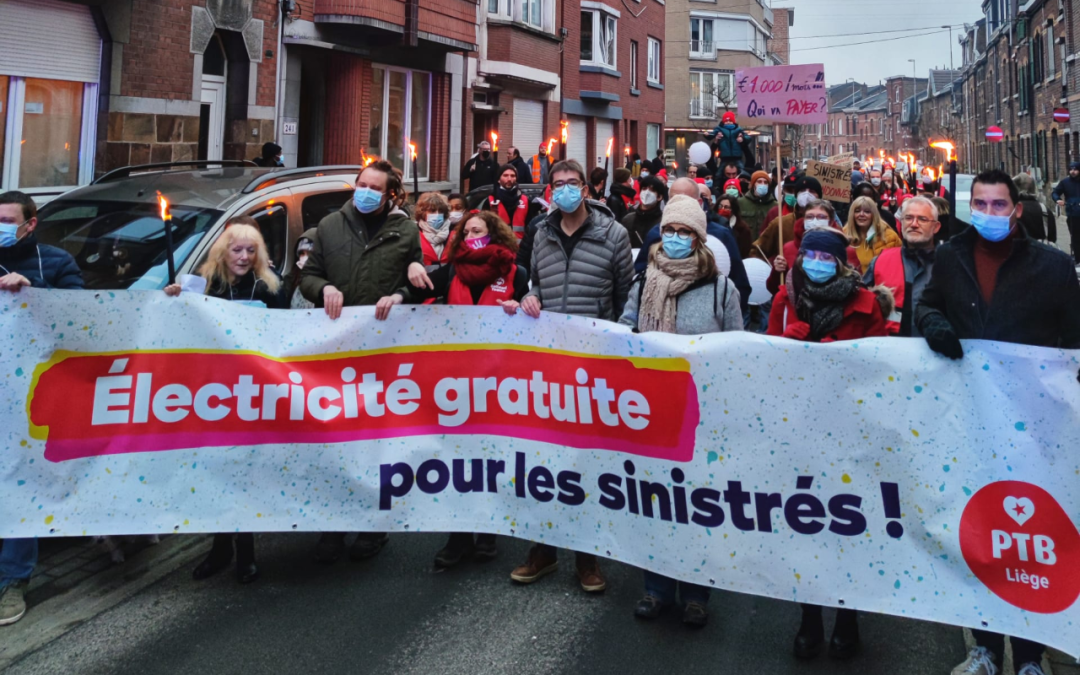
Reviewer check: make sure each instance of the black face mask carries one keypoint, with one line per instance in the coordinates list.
(485, 153)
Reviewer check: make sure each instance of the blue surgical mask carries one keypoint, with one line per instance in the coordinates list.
(732, 192)
(367, 200)
(567, 198)
(676, 247)
(819, 271)
(9, 234)
(644, 174)
(436, 220)
(991, 228)
(761, 190)
(708, 183)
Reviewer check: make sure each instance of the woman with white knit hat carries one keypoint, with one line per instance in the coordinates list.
(682, 292)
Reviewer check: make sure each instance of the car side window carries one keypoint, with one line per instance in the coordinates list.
(317, 207)
(273, 220)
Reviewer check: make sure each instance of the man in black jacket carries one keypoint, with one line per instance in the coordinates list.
(524, 173)
(993, 282)
(1067, 194)
(482, 169)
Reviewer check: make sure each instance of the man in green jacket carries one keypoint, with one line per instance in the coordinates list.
(364, 251)
(756, 204)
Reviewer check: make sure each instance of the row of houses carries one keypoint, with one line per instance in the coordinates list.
(87, 86)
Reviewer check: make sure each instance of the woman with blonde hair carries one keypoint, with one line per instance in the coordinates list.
(237, 269)
(869, 234)
(681, 292)
(432, 214)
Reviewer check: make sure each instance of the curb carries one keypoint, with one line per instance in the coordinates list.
(63, 613)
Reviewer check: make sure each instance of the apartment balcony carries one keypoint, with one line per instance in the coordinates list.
(767, 11)
(702, 50)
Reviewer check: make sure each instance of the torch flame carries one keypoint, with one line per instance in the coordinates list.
(930, 174)
(163, 205)
(947, 146)
(676, 165)
(610, 142)
(551, 142)
(494, 142)
(412, 151)
(564, 129)
(626, 151)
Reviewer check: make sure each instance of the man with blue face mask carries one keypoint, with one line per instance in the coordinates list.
(580, 265)
(993, 282)
(359, 254)
(25, 263)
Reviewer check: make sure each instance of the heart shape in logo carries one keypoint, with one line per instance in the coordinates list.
(1019, 509)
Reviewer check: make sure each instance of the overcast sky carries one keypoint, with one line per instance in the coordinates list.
(864, 21)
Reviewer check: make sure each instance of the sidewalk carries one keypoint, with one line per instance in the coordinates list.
(76, 580)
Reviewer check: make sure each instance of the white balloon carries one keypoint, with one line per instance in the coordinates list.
(720, 252)
(700, 152)
(757, 272)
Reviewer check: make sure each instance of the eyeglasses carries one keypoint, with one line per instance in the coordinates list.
(672, 232)
(563, 183)
(911, 220)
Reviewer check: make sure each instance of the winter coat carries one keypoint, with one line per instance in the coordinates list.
(621, 200)
(791, 252)
(363, 271)
(917, 267)
(523, 171)
(872, 248)
(766, 247)
(525, 246)
(752, 211)
(638, 223)
(708, 306)
(1036, 300)
(1068, 191)
(250, 288)
(595, 279)
(43, 266)
(1036, 219)
(481, 172)
(725, 138)
(743, 236)
(864, 316)
(737, 274)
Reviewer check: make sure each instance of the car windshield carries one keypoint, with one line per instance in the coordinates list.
(121, 245)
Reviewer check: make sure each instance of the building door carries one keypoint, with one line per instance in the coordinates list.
(212, 117)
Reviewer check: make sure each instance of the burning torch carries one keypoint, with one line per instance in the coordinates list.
(415, 173)
(626, 155)
(495, 146)
(607, 156)
(166, 219)
(950, 151)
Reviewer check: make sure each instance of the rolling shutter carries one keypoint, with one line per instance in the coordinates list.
(528, 126)
(576, 147)
(49, 39)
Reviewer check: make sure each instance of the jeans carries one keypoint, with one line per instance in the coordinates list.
(664, 588)
(757, 319)
(17, 560)
(1024, 651)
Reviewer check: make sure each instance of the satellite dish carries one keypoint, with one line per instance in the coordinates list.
(700, 153)
(757, 272)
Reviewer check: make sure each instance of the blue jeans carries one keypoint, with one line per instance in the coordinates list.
(664, 588)
(17, 560)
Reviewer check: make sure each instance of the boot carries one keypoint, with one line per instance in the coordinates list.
(458, 546)
(221, 554)
(246, 571)
(811, 635)
(845, 641)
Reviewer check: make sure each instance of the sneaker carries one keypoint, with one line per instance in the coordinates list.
(457, 547)
(537, 565)
(485, 548)
(368, 545)
(1031, 669)
(592, 581)
(979, 662)
(12, 602)
(695, 615)
(649, 607)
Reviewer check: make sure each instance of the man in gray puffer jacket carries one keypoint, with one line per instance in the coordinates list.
(581, 264)
(581, 260)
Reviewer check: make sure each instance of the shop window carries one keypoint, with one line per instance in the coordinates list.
(400, 115)
(54, 121)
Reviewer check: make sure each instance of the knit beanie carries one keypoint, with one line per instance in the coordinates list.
(733, 183)
(685, 210)
(832, 242)
(759, 175)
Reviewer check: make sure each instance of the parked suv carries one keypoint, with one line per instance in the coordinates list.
(114, 230)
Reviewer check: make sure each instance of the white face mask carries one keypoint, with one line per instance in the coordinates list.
(805, 198)
(875, 182)
(455, 216)
(648, 197)
(816, 223)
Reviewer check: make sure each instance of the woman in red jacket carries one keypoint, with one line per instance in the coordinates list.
(481, 271)
(433, 217)
(819, 215)
(824, 300)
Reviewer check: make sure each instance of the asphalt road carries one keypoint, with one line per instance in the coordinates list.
(394, 614)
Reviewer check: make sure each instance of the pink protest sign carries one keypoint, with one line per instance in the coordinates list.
(788, 94)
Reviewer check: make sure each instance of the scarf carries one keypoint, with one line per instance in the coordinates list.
(481, 267)
(822, 305)
(437, 238)
(665, 279)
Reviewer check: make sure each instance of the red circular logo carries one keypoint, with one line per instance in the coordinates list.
(1018, 541)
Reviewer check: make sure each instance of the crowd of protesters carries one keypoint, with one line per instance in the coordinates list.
(889, 263)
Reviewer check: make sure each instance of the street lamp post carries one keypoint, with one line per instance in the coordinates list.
(950, 47)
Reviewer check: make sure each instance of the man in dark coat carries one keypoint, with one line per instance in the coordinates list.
(481, 169)
(271, 155)
(1067, 194)
(523, 171)
(25, 262)
(651, 193)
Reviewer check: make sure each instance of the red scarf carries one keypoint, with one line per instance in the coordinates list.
(480, 267)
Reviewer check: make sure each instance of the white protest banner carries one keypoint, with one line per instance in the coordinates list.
(835, 180)
(844, 159)
(783, 94)
(873, 474)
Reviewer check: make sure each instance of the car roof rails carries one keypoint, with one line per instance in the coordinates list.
(124, 172)
(272, 178)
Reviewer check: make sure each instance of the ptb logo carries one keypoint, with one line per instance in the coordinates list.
(1018, 541)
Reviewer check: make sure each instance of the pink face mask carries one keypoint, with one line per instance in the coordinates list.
(478, 243)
